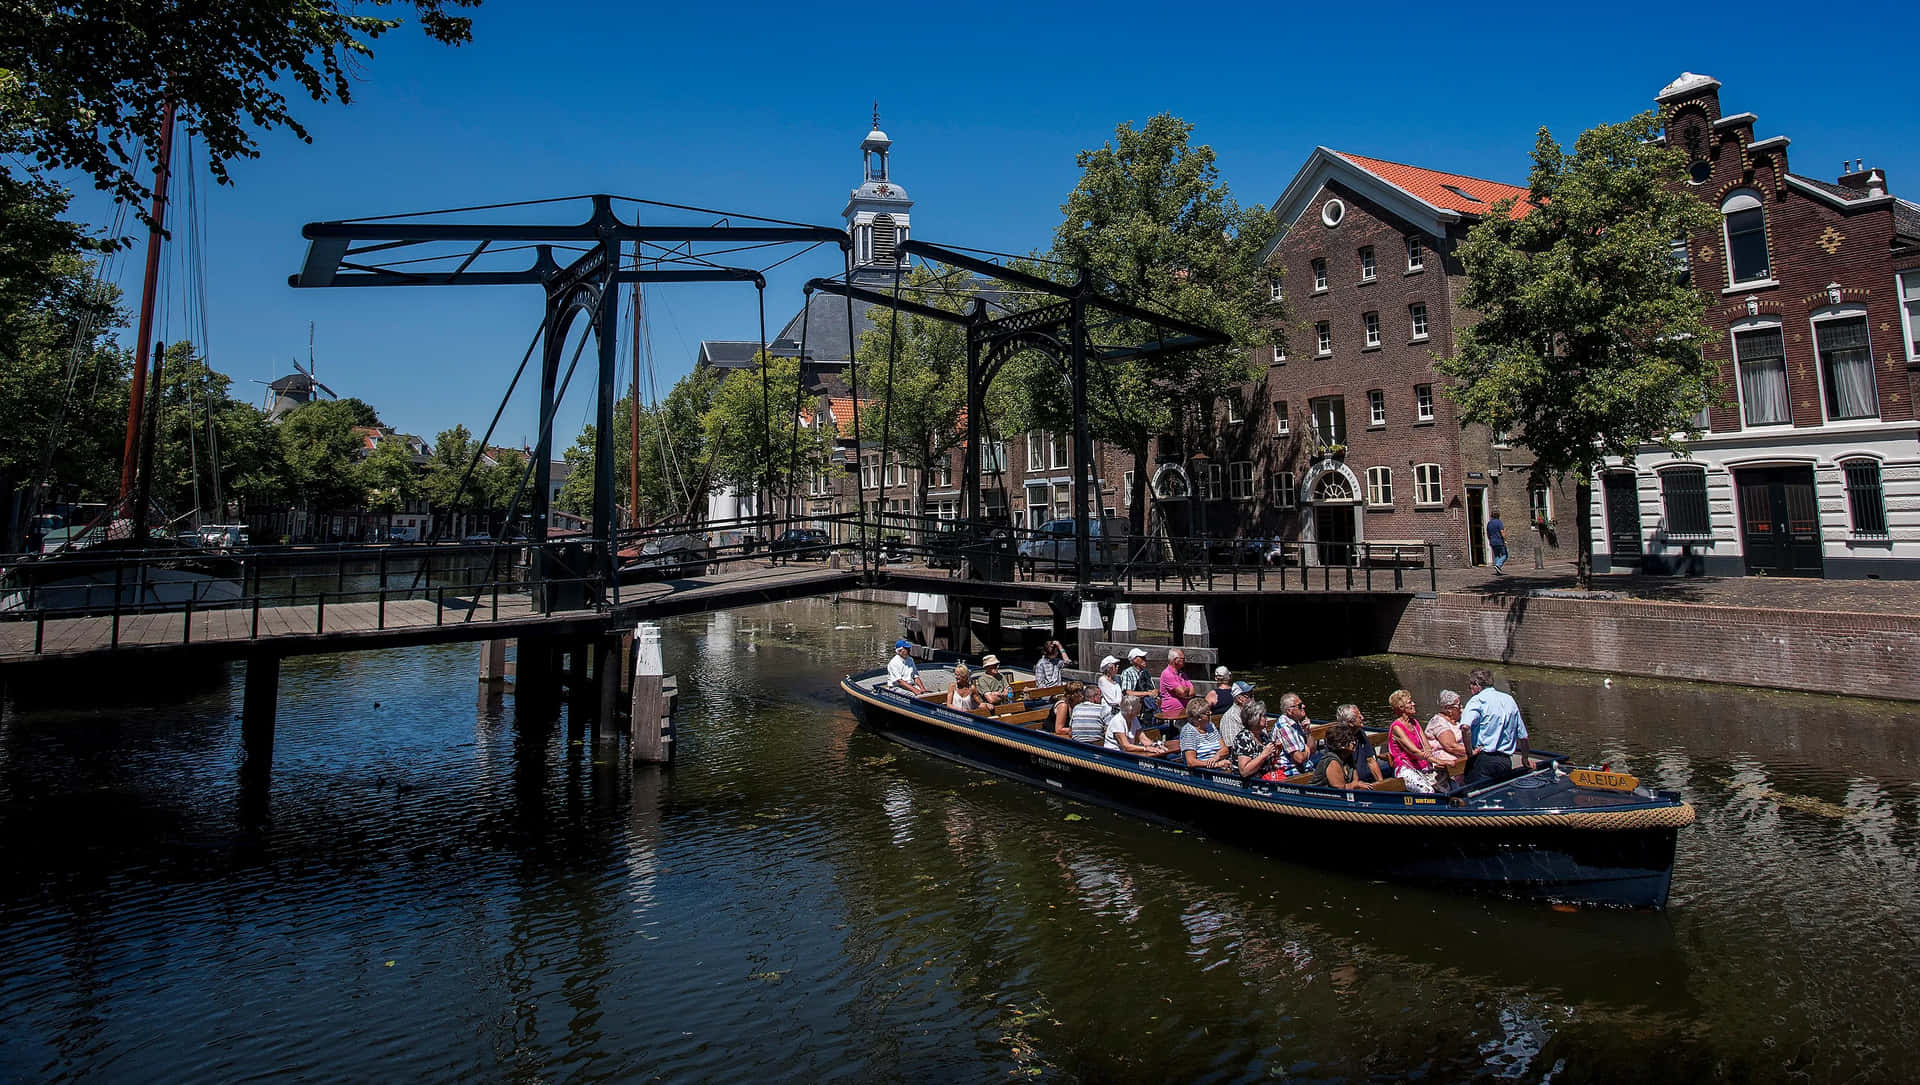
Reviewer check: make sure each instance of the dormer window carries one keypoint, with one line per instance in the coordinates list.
(1746, 226)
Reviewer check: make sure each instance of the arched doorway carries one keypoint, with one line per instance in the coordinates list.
(1334, 494)
(1172, 499)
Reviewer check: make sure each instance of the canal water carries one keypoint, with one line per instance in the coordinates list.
(435, 893)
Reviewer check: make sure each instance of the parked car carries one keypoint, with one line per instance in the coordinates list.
(668, 557)
(801, 542)
(1052, 544)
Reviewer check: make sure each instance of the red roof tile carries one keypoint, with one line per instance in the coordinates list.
(1474, 197)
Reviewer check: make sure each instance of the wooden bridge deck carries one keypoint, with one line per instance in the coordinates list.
(310, 627)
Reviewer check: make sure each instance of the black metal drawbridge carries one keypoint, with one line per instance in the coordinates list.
(438, 249)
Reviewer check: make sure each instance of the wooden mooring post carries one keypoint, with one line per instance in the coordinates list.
(648, 728)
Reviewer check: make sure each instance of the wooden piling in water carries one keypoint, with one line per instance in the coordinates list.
(647, 730)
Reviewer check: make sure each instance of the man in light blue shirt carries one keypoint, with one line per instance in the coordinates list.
(1495, 731)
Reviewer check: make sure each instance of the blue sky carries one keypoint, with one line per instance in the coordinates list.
(761, 108)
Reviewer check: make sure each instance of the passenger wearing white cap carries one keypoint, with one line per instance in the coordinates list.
(1220, 697)
(990, 684)
(1110, 691)
(1136, 678)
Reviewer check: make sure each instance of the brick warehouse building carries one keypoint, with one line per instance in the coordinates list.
(1812, 466)
(1361, 444)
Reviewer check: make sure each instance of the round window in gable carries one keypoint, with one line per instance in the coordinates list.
(1700, 172)
(1332, 212)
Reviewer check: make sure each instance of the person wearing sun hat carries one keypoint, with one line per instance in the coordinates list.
(990, 684)
(901, 670)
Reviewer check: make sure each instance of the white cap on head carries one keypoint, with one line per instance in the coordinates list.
(1137, 653)
(1222, 672)
(1109, 661)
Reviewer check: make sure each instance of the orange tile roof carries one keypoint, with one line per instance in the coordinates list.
(1431, 186)
(841, 408)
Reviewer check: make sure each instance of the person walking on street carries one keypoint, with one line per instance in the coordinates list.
(1497, 541)
(1495, 731)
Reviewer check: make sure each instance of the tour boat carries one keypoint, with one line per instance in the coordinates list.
(1555, 833)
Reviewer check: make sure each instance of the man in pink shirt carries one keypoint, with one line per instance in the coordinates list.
(1174, 687)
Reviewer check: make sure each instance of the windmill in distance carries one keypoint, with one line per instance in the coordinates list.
(296, 389)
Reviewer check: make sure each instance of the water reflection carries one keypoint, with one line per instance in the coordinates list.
(441, 889)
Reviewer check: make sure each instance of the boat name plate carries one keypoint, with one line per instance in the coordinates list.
(1603, 781)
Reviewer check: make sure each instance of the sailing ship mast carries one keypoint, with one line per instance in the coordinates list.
(136, 403)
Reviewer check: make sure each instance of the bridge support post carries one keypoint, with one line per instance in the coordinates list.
(536, 679)
(1194, 632)
(1090, 634)
(960, 625)
(260, 708)
(493, 662)
(647, 742)
(607, 657)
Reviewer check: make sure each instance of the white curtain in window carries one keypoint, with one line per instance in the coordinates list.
(1849, 368)
(1763, 376)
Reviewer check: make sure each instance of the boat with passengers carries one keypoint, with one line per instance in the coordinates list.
(1552, 832)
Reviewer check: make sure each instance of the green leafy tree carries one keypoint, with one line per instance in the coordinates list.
(321, 450)
(440, 484)
(389, 476)
(756, 454)
(1588, 343)
(1151, 222)
(85, 80)
(915, 369)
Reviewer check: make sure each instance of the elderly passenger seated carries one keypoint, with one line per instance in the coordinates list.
(1445, 737)
(902, 672)
(1348, 754)
(1256, 751)
(1220, 697)
(1087, 722)
(1200, 741)
(990, 683)
(1124, 727)
(1236, 712)
(1407, 749)
(1294, 731)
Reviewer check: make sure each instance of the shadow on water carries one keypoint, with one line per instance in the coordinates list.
(439, 890)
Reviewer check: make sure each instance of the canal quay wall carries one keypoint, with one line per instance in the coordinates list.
(1860, 654)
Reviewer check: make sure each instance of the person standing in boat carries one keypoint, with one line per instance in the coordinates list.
(1175, 690)
(1052, 666)
(990, 685)
(902, 671)
(1495, 731)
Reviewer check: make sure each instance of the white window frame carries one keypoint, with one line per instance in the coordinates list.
(1423, 403)
(1047, 507)
(1319, 266)
(1906, 287)
(1036, 451)
(1828, 315)
(1428, 492)
(1416, 254)
(1275, 290)
(1286, 492)
(1734, 332)
(1380, 487)
(1236, 409)
(1279, 353)
(1417, 320)
(1282, 425)
(993, 457)
(1371, 322)
(1126, 488)
(1376, 407)
(1323, 338)
(870, 470)
(1369, 267)
(1544, 508)
(1240, 480)
(1212, 480)
(1745, 199)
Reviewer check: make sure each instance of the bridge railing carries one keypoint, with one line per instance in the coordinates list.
(1004, 552)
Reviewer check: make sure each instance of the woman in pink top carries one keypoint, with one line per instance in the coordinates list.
(1407, 749)
(1175, 690)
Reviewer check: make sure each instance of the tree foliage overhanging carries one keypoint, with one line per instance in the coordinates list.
(1588, 342)
(83, 82)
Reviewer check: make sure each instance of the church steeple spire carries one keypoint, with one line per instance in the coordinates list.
(877, 211)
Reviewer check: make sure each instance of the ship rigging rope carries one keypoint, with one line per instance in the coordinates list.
(853, 387)
(766, 403)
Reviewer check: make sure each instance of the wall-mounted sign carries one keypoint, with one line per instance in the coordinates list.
(1476, 474)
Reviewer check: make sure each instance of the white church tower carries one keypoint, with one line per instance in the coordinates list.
(877, 211)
